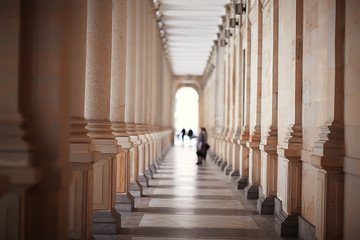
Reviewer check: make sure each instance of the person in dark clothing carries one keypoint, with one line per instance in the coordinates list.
(190, 134)
(183, 132)
(201, 146)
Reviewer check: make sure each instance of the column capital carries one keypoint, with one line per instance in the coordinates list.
(328, 151)
(291, 149)
(269, 142)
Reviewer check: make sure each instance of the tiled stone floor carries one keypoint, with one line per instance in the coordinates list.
(185, 201)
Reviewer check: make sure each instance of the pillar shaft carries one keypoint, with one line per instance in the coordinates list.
(118, 86)
(255, 17)
(269, 110)
(289, 148)
(97, 113)
(82, 154)
(98, 61)
(15, 157)
(131, 63)
(45, 74)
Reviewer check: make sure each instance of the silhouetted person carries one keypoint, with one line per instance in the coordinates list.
(190, 134)
(183, 132)
(201, 146)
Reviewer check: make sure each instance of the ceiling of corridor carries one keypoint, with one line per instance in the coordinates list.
(191, 27)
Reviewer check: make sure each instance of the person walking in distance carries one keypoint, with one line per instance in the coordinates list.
(201, 146)
(183, 132)
(190, 134)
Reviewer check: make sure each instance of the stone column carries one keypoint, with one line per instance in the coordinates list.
(220, 98)
(237, 125)
(82, 155)
(224, 147)
(239, 98)
(97, 113)
(227, 62)
(119, 54)
(232, 64)
(45, 102)
(133, 127)
(153, 95)
(351, 164)
(17, 172)
(142, 94)
(147, 93)
(139, 74)
(328, 152)
(255, 16)
(224, 89)
(236, 88)
(140, 78)
(268, 145)
(288, 201)
(244, 102)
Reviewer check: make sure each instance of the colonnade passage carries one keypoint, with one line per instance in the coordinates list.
(87, 102)
(186, 201)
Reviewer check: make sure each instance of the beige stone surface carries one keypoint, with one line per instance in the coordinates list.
(98, 60)
(318, 53)
(45, 103)
(352, 121)
(286, 75)
(119, 53)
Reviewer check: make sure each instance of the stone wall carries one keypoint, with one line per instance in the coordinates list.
(352, 121)
(295, 93)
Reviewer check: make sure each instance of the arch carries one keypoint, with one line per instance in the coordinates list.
(186, 83)
(186, 109)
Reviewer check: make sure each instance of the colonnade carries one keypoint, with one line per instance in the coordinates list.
(279, 102)
(85, 113)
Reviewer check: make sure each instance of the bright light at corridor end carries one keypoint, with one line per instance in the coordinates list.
(186, 109)
(191, 28)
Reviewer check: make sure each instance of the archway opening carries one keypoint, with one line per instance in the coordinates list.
(186, 115)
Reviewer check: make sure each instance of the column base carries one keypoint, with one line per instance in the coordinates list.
(234, 173)
(143, 181)
(306, 230)
(107, 222)
(223, 165)
(148, 174)
(242, 182)
(214, 157)
(228, 169)
(219, 161)
(251, 191)
(157, 163)
(211, 155)
(153, 168)
(265, 204)
(285, 225)
(135, 190)
(124, 205)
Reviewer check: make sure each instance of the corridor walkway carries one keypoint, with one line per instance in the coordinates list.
(186, 201)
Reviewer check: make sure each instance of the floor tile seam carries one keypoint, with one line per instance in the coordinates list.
(194, 197)
(196, 212)
(201, 179)
(206, 200)
(146, 197)
(183, 186)
(201, 228)
(256, 231)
